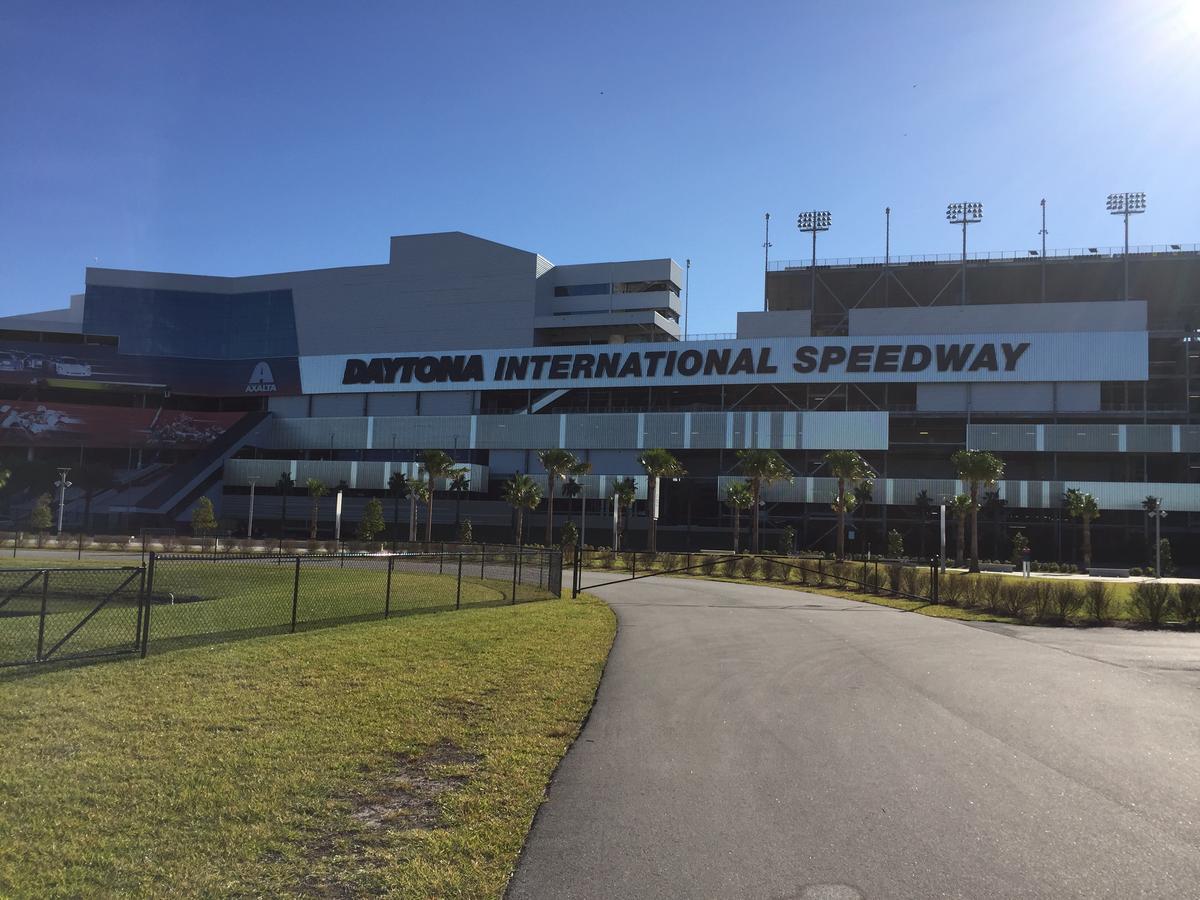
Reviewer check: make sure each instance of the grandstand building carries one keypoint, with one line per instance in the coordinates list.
(156, 389)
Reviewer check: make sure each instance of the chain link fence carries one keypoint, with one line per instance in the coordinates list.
(63, 614)
(71, 613)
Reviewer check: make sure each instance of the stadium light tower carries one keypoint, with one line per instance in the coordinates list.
(1043, 233)
(1126, 204)
(817, 220)
(964, 214)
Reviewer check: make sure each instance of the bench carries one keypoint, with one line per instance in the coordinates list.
(996, 567)
(1096, 572)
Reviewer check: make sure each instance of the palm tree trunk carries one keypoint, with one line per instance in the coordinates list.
(652, 530)
(962, 539)
(974, 528)
(841, 535)
(754, 521)
(412, 518)
(520, 525)
(1087, 543)
(549, 509)
(737, 528)
(312, 525)
(429, 517)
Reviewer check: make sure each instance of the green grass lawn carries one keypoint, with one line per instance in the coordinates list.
(402, 757)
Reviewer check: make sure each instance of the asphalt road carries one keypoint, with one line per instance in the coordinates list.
(765, 743)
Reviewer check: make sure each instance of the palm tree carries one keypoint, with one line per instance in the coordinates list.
(739, 496)
(558, 464)
(316, 490)
(658, 464)
(459, 485)
(283, 485)
(978, 468)
(960, 508)
(422, 492)
(94, 478)
(438, 465)
(521, 493)
(847, 466)
(761, 467)
(996, 508)
(399, 489)
(1150, 504)
(1083, 506)
(924, 507)
(624, 496)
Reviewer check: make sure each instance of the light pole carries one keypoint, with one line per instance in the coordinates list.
(812, 222)
(62, 484)
(337, 513)
(766, 256)
(887, 251)
(942, 529)
(1126, 204)
(250, 519)
(1043, 233)
(1157, 514)
(964, 214)
(687, 278)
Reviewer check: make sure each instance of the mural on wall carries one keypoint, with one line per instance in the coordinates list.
(98, 366)
(24, 423)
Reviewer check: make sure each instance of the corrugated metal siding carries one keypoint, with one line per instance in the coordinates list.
(600, 431)
(1149, 438)
(421, 432)
(1002, 437)
(362, 475)
(1082, 438)
(516, 432)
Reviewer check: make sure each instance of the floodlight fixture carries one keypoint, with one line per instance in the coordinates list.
(964, 214)
(813, 222)
(1129, 203)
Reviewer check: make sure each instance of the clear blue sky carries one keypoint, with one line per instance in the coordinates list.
(257, 137)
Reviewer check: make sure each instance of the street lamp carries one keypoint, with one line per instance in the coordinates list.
(1157, 514)
(250, 519)
(964, 214)
(1126, 204)
(62, 484)
(1043, 233)
(337, 514)
(817, 220)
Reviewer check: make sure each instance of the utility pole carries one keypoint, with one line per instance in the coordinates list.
(887, 252)
(62, 484)
(250, 519)
(1043, 233)
(766, 257)
(687, 277)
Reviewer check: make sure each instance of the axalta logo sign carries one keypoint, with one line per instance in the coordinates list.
(262, 381)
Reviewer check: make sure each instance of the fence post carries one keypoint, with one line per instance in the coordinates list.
(542, 566)
(80, 554)
(482, 560)
(875, 587)
(516, 556)
(295, 594)
(458, 591)
(933, 577)
(42, 616)
(575, 572)
(441, 555)
(387, 597)
(17, 540)
(149, 603)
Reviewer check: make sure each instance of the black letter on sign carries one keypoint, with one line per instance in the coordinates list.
(986, 359)
(887, 357)
(916, 358)
(806, 359)
(860, 358)
(356, 370)
(831, 356)
(1012, 354)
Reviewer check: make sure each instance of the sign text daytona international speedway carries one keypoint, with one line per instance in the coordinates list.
(1079, 356)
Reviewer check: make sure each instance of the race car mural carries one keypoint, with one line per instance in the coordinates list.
(70, 425)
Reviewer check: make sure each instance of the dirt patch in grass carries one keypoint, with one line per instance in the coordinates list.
(409, 796)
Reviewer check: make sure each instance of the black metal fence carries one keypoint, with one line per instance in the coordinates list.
(58, 614)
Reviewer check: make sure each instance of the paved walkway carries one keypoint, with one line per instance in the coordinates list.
(766, 743)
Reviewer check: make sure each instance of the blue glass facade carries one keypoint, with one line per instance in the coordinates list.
(193, 324)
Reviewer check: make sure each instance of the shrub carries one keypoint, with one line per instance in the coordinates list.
(895, 544)
(908, 579)
(773, 571)
(874, 580)
(1136, 572)
(1014, 598)
(988, 589)
(607, 559)
(629, 559)
(1067, 600)
(787, 541)
(1151, 600)
(1098, 600)
(952, 589)
(1187, 604)
(748, 567)
(708, 564)
(893, 577)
